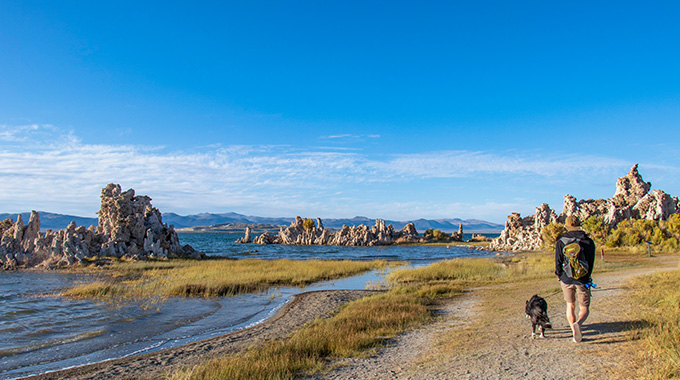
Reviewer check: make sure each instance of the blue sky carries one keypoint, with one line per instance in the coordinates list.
(390, 109)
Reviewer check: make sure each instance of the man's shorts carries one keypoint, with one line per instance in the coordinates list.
(571, 291)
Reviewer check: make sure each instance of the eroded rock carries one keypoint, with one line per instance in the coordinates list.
(129, 227)
(632, 200)
(301, 233)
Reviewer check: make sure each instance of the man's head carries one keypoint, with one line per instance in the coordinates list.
(572, 223)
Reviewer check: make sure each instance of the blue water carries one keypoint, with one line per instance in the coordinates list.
(42, 332)
(222, 244)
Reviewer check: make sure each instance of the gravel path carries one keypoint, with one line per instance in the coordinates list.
(502, 347)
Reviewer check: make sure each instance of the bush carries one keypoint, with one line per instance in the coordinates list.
(551, 233)
(308, 224)
(597, 229)
(664, 235)
(436, 235)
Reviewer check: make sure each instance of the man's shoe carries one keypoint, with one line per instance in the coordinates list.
(576, 329)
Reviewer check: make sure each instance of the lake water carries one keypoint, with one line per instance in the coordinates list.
(41, 332)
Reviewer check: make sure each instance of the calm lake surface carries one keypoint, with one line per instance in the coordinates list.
(41, 332)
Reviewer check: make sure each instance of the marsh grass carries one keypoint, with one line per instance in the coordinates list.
(657, 311)
(153, 282)
(478, 271)
(365, 324)
(360, 325)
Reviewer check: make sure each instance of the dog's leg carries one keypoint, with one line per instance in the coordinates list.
(541, 330)
(533, 331)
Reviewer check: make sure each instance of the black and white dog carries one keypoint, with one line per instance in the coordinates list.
(537, 310)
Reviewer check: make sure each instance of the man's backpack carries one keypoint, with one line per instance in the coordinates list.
(574, 264)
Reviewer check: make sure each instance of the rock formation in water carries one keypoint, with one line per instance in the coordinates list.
(632, 200)
(458, 236)
(245, 239)
(301, 232)
(129, 227)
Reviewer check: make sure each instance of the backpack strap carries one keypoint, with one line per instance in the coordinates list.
(568, 240)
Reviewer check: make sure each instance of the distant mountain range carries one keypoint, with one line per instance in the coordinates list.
(51, 221)
(446, 225)
(58, 221)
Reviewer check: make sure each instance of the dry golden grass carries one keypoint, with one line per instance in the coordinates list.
(361, 325)
(655, 353)
(364, 324)
(155, 281)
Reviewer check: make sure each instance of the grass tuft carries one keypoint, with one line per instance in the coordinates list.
(657, 309)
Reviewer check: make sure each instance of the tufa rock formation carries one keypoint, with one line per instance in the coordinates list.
(245, 239)
(129, 227)
(521, 234)
(632, 200)
(301, 233)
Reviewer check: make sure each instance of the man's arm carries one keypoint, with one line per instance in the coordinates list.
(590, 256)
(558, 258)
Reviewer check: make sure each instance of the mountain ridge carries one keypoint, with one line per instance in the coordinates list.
(55, 221)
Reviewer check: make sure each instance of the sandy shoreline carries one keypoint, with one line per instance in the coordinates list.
(304, 308)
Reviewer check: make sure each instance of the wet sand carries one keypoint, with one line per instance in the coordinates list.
(304, 308)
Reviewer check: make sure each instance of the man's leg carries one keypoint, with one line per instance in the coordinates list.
(583, 314)
(583, 303)
(570, 297)
(571, 312)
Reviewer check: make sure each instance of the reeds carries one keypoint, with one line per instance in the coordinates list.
(159, 280)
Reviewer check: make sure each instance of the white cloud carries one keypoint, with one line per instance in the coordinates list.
(17, 133)
(56, 171)
(350, 137)
(342, 136)
(458, 164)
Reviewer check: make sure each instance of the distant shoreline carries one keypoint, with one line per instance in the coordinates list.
(275, 229)
(183, 223)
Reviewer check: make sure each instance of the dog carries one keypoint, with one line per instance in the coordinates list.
(537, 309)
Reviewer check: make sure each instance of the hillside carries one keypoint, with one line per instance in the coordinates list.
(52, 221)
(236, 222)
(446, 225)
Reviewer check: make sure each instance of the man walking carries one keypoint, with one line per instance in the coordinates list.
(574, 261)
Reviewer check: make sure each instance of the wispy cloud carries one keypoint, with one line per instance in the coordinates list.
(54, 170)
(349, 136)
(453, 164)
(18, 133)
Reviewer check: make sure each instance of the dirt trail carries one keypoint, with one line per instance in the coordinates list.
(501, 347)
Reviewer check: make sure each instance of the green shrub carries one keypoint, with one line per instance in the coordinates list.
(308, 224)
(551, 233)
(436, 235)
(664, 235)
(597, 229)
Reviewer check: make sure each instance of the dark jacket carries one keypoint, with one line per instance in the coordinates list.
(588, 250)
